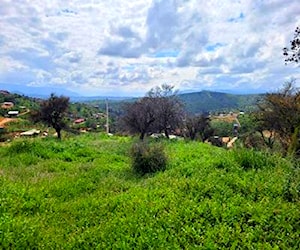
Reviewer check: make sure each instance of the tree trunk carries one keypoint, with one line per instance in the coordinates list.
(142, 136)
(167, 133)
(58, 131)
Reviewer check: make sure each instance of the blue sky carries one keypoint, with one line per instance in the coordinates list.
(122, 47)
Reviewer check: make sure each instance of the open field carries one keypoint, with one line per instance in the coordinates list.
(81, 193)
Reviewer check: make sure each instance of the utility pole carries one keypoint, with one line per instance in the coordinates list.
(107, 117)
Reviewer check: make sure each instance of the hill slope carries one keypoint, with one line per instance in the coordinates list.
(197, 102)
(82, 194)
(204, 101)
(208, 101)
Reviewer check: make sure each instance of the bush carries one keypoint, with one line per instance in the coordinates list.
(3, 136)
(292, 186)
(148, 158)
(251, 159)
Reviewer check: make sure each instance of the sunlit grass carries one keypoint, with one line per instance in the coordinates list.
(82, 193)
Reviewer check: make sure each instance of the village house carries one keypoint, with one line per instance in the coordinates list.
(7, 105)
(13, 113)
(4, 92)
(79, 121)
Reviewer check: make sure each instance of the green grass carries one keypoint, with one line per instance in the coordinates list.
(81, 193)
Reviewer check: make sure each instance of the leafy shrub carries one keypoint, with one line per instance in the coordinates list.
(251, 159)
(3, 136)
(33, 148)
(21, 146)
(292, 186)
(148, 158)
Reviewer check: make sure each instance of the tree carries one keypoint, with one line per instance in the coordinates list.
(292, 54)
(280, 112)
(52, 112)
(139, 116)
(168, 108)
(159, 111)
(198, 125)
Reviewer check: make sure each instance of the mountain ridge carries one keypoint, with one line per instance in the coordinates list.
(195, 102)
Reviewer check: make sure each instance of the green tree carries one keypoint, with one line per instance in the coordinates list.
(52, 112)
(198, 126)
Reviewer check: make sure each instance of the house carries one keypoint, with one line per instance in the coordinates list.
(4, 92)
(7, 105)
(225, 139)
(80, 120)
(31, 132)
(13, 113)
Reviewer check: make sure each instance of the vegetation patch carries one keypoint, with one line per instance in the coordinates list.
(148, 158)
(205, 198)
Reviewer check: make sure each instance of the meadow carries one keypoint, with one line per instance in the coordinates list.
(82, 193)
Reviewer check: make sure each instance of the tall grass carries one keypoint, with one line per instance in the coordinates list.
(81, 193)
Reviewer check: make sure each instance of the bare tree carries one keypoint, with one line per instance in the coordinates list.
(159, 111)
(52, 112)
(139, 116)
(292, 53)
(168, 108)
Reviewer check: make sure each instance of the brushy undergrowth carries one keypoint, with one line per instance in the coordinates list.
(148, 158)
(82, 193)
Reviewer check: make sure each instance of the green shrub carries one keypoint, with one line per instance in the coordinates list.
(292, 186)
(251, 159)
(21, 146)
(30, 147)
(3, 135)
(148, 158)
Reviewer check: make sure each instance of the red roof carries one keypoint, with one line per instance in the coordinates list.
(80, 120)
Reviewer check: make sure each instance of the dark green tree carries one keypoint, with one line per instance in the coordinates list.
(198, 126)
(52, 112)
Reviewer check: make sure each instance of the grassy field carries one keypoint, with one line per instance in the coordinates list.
(81, 193)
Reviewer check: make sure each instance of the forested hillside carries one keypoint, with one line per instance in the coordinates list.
(200, 102)
(208, 101)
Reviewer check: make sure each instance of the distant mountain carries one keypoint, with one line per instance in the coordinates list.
(40, 92)
(45, 92)
(195, 102)
(200, 102)
(88, 99)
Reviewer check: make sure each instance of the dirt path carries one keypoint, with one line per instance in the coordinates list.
(230, 144)
(5, 120)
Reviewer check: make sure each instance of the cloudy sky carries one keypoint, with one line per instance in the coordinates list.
(125, 47)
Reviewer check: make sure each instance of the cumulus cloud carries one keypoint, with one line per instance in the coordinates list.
(127, 47)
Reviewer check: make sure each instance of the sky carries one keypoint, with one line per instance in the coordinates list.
(127, 47)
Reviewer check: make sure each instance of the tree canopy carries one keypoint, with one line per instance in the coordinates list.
(292, 53)
(168, 108)
(52, 112)
(159, 111)
(139, 116)
(280, 112)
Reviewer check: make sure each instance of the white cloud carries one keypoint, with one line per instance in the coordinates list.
(126, 47)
